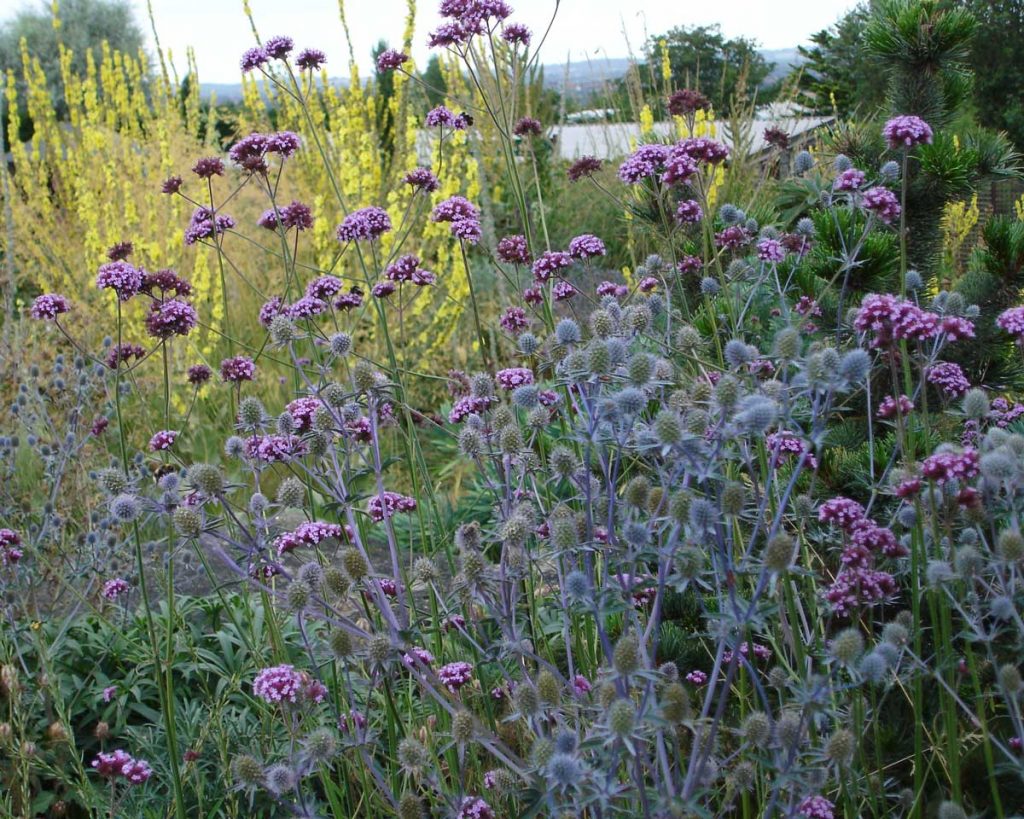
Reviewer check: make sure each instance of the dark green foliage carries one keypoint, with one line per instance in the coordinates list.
(996, 59)
(924, 48)
(838, 75)
(703, 59)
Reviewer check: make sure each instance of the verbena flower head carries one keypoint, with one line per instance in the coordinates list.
(364, 225)
(310, 59)
(208, 167)
(893, 319)
(689, 212)
(280, 683)
(882, 202)
(253, 58)
(513, 377)
(172, 184)
(310, 533)
(114, 588)
(890, 407)
(949, 378)
(527, 126)
(391, 59)
(455, 675)
(392, 503)
(123, 353)
(249, 153)
(514, 250)
(284, 143)
(841, 511)
(776, 137)
(816, 807)
(514, 320)
(10, 547)
(851, 179)
(278, 47)
(703, 149)
(165, 281)
(121, 765)
(48, 306)
(687, 101)
(440, 117)
(583, 168)
(422, 179)
(645, 162)
(906, 131)
(237, 369)
(173, 317)
(163, 440)
(951, 465)
(771, 250)
(273, 448)
(199, 374)
(586, 246)
(549, 264)
(205, 224)
(121, 277)
(1012, 322)
(454, 209)
(473, 807)
(516, 34)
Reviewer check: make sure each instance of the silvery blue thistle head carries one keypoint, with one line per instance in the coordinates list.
(756, 413)
(525, 397)
(730, 214)
(528, 343)
(738, 353)
(842, 163)
(890, 170)
(568, 332)
(805, 226)
(855, 366)
(803, 162)
(631, 400)
(709, 286)
(913, 281)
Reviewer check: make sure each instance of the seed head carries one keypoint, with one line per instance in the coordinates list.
(207, 479)
(247, 771)
(364, 376)
(621, 717)
(379, 649)
(355, 564)
(548, 688)
(778, 554)
(667, 428)
(341, 643)
(626, 656)
(299, 593)
(841, 747)
(413, 757)
(280, 779)
(847, 646)
(188, 521)
(757, 728)
(463, 727)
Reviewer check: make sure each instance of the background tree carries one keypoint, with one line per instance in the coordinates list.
(434, 81)
(84, 26)
(996, 59)
(839, 76)
(702, 58)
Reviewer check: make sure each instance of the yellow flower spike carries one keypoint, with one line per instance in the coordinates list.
(646, 121)
(666, 63)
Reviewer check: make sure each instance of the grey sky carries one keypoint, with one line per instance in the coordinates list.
(219, 32)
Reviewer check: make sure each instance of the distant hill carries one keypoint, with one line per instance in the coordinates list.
(579, 78)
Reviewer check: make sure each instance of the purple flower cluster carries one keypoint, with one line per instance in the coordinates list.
(527, 126)
(441, 117)
(849, 180)
(393, 503)
(48, 306)
(173, 317)
(514, 320)
(114, 588)
(123, 353)
(364, 225)
(689, 212)
(816, 807)
(455, 675)
(302, 411)
(463, 216)
(122, 765)
(294, 215)
(892, 319)
(279, 683)
(208, 167)
(514, 250)
(199, 374)
(422, 179)
(790, 445)
(906, 131)
(732, 237)
(514, 377)
(121, 277)
(473, 807)
(583, 168)
(770, 250)
(949, 465)
(1012, 322)
(619, 291)
(205, 224)
(516, 34)
(949, 378)
(586, 246)
(890, 407)
(237, 369)
(856, 587)
(407, 269)
(882, 202)
(274, 448)
(468, 405)
(645, 162)
(310, 533)
(391, 59)
(549, 264)
(163, 440)
(310, 59)
(703, 149)
(10, 547)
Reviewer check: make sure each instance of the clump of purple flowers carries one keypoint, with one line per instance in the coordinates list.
(906, 131)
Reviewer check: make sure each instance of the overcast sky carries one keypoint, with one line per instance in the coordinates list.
(218, 31)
